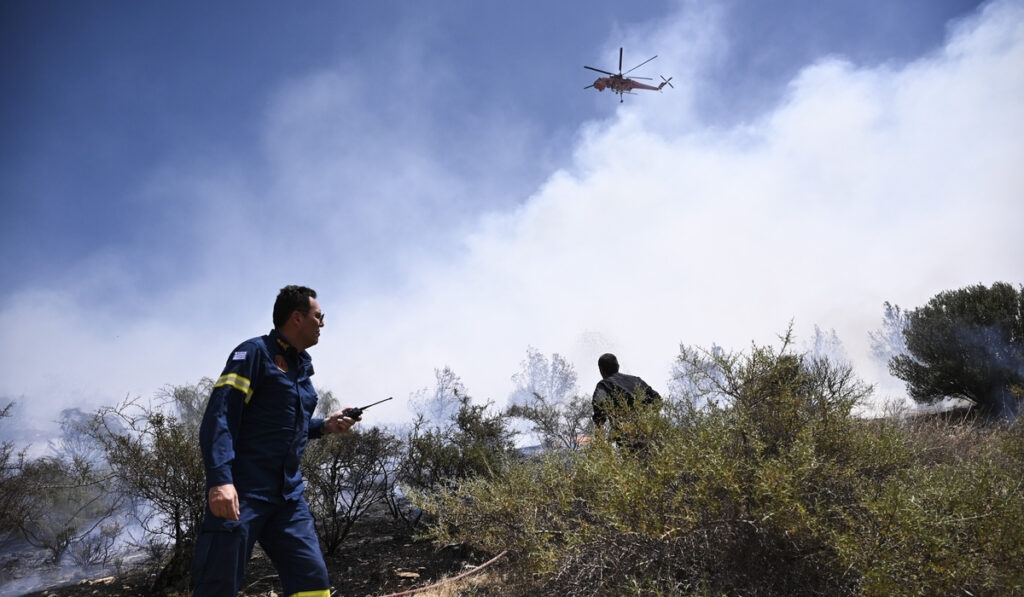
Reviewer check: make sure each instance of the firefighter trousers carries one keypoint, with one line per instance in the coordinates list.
(286, 533)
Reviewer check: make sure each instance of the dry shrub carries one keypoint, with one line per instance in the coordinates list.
(773, 489)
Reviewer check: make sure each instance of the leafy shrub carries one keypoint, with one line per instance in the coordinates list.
(99, 547)
(65, 502)
(969, 344)
(557, 424)
(473, 442)
(758, 482)
(153, 453)
(546, 398)
(14, 495)
(951, 522)
(347, 475)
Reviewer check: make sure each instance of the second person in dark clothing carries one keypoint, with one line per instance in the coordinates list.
(616, 395)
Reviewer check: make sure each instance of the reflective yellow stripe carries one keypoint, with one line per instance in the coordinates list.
(236, 381)
(323, 593)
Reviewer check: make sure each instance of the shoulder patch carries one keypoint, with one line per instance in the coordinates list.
(238, 356)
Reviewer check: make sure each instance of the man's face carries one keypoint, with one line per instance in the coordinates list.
(310, 324)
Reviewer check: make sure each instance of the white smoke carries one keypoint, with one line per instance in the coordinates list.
(865, 184)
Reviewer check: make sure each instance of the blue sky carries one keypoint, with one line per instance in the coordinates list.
(438, 173)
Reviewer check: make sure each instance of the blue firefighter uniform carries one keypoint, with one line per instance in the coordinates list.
(253, 435)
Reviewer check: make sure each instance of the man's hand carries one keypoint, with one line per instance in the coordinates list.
(338, 422)
(224, 501)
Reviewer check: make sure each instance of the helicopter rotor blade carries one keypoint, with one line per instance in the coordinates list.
(588, 86)
(644, 78)
(600, 71)
(620, 59)
(639, 65)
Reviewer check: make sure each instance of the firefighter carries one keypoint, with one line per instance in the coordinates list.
(253, 435)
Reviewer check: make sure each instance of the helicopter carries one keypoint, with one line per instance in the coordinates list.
(621, 84)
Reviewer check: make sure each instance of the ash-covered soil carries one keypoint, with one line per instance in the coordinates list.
(379, 557)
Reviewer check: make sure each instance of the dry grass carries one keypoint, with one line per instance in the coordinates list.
(478, 584)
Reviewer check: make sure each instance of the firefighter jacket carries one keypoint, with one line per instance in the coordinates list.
(258, 420)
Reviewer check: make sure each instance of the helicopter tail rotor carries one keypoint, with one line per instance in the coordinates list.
(666, 82)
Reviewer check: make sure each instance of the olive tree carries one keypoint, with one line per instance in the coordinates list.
(968, 344)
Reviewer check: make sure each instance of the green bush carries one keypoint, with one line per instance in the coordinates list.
(14, 492)
(472, 442)
(154, 458)
(951, 522)
(346, 476)
(758, 481)
(969, 344)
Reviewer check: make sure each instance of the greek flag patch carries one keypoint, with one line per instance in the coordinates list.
(238, 356)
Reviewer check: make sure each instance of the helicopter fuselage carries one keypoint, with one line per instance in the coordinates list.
(619, 83)
(622, 84)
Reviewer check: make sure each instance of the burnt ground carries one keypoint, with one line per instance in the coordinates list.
(380, 556)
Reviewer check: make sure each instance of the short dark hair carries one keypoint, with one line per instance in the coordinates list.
(291, 298)
(608, 364)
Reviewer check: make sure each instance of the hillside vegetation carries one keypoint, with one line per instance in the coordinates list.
(758, 482)
(753, 477)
